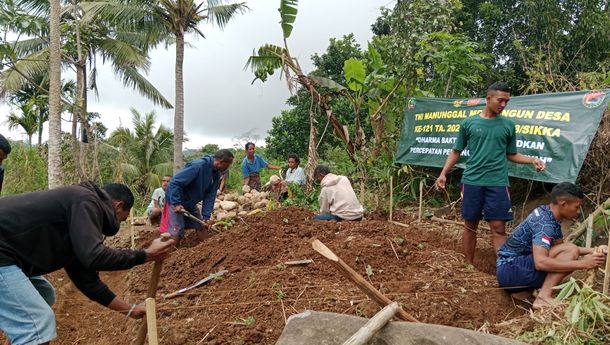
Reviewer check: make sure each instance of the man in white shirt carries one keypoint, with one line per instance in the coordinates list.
(155, 208)
(338, 200)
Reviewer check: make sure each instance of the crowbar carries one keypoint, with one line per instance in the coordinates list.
(196, 285)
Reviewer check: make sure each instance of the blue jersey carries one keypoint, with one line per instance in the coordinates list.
(540, 228)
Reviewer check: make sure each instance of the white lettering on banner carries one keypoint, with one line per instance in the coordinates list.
(428, 140)
(526, 144)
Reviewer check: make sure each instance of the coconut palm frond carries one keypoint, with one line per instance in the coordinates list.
(132, 78)
(222, 14)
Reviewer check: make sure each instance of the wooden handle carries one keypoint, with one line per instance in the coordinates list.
(152, 290)
(357, 279)
(377, 322)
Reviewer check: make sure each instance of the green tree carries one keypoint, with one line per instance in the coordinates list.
(27, 120)
(147, 151)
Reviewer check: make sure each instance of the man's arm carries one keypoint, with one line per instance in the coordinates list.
(324, 202)
(183, 178)
(523, 159)
(274, 167)
(453, 157)
(544, 262)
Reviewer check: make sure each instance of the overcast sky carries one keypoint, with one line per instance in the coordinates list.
(220, 101)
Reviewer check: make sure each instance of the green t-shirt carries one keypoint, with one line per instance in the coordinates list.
(488, 142)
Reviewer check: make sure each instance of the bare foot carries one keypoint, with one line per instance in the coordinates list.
(541, 303)
(522, 295)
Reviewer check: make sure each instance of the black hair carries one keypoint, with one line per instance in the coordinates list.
(498, 86)
(566, 190)
(5, 146)
(223, 155)
(120, 192)
(321, 170)
(248, 144)
(295, 157)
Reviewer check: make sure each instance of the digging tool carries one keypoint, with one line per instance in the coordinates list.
(188, 215)
(196, 285)
(152, 290)
(357, 279)
(377, 322)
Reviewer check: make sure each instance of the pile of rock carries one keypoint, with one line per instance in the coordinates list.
(234, 204)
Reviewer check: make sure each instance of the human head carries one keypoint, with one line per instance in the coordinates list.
(498, 95)
(5, 148)
(122, 199)
(165, 181)
(250, 149)
(223, 159)
(320, 171)
(293, 161)
(567, 198)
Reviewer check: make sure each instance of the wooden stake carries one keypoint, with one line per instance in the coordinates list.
(589, 236)
(151, 321)
(377, 322)
(391, 196)
(590, 280)
(131, 229)
(152, 292)
(358, 280)
(449, 221)
(607, 272)
(421, 199)
(298, 262)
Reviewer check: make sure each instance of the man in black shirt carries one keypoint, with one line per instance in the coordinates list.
(45, 231)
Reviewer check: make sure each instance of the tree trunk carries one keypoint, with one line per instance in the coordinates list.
(312, 157)
(179, 114)
(54, 169)
(76, 119)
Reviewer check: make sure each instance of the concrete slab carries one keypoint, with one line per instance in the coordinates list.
(320, 328)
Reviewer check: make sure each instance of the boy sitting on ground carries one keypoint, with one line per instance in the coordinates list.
(534, 255)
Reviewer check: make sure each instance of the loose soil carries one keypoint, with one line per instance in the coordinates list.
(418, 265)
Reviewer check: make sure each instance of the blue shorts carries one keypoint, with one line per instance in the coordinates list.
(521, 274)
(490, 203)
(26, 316)
(178, 222)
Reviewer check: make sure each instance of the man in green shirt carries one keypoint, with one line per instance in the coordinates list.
(490, 140)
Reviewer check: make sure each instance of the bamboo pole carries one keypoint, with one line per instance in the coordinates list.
(589, 235)
(607, 272)
(377, 322)
(151, 321)
(583, 226)
(421, 199)
(391, 196)
(131, 229)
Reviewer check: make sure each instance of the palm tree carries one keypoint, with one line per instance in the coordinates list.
(54, 170)
(28, 120)
(148, 151)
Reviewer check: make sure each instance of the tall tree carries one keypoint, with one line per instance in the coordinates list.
(27, 120)
(55, 170)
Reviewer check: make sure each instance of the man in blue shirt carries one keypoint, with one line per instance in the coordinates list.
(251, 167)
(534, 255)
(198, 181)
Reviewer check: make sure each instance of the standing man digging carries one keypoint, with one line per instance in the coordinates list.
(198, 181)
(42, 232)
(490, 138)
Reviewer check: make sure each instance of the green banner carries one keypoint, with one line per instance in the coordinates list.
(556, 128)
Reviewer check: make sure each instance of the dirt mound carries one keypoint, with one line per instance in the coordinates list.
(417, 265)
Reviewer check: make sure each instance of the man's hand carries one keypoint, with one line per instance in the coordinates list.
(538, 164)
(139, 311)
(158, 249)
(593, 261)
(440, 181)
(179, 209)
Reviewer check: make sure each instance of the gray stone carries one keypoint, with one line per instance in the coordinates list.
(320, 328)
